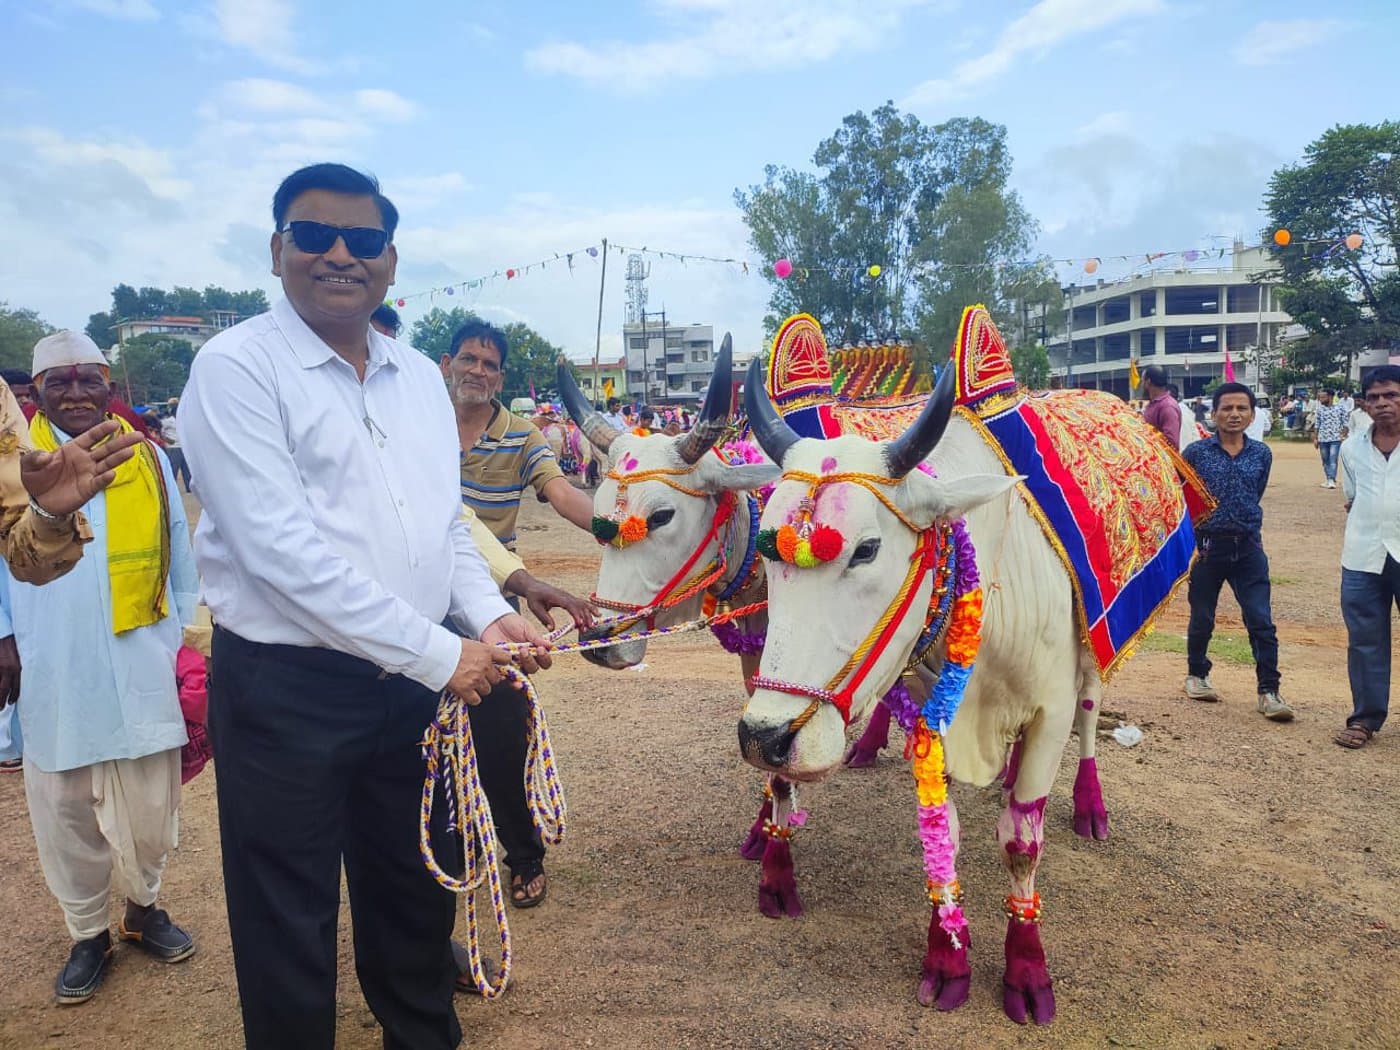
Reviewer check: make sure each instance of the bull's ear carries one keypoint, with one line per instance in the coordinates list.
(715, 475)
(935, 499)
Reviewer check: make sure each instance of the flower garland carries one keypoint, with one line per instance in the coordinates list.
(619, 533)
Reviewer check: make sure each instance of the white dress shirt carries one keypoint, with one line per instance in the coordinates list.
(332, 513)
(1372, 487)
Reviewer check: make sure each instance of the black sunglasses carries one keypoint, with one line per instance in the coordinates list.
(316, 238)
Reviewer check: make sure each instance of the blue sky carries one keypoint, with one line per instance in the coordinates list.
(143, 139)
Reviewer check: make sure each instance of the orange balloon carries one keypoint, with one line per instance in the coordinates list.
(1353, 241)
(1282, 237)
(1091, 265)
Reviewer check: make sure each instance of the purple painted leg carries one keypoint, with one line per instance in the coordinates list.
(1090, 817)
(1026, 991)
(865, 751)
(777, 888)
(1013, 767)
(947, 974)
(752, 846)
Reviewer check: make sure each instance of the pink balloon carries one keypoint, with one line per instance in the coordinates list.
(783, 267)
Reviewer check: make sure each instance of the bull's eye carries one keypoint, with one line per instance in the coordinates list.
(659, 518)
(865, 552)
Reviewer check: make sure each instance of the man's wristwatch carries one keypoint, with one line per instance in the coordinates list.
(46, 515)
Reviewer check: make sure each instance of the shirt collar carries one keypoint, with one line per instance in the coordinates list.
(312, 351)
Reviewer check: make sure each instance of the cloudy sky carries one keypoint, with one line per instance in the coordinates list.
(142, 139)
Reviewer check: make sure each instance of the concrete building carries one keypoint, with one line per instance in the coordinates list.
(194, 330)
(607, 370)
(1181, 319)
(668, 363)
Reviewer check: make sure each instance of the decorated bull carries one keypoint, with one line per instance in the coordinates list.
(896, 567)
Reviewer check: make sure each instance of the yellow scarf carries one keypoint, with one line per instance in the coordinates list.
(138, 532)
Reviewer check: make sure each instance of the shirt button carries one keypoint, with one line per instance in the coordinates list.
(401, 504)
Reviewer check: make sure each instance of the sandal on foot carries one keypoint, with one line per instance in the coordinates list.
(1354, 736)
(520, 896)
(465, 984)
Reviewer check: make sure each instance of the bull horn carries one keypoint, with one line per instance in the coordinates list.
(910, 449)
(771, 430)
(714, 413)
(595, 428)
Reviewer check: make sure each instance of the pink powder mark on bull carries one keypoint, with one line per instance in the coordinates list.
(630, 463)
(1088, 705)
(1032, 816)
(828, 464)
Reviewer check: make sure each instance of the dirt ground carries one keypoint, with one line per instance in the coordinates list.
(1247, 897)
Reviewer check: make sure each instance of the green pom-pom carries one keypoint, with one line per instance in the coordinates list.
(767, 544)
(604, 528)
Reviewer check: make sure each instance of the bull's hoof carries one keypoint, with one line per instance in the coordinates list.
(1029, 1004)
(775, 903)
(777, 887)
(1091, 823)
(1090, 816)
(752, 846)
(946, 993)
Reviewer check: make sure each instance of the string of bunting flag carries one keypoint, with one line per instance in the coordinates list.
(1324, 248)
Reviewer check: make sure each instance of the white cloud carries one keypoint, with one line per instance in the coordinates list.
(262, 28)
(1113, 122)
(1043, 27)
(270, 96)
(1270, 42)
(153, 167)
(385, 105)
(129, 10)
(727, 37)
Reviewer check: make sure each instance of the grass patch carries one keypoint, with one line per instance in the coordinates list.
(1228, 647)
(1283, 581)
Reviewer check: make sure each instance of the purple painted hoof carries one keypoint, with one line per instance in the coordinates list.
(1090, 817)
(752, 846)
(1026, 987)
(866, 751)
(947, 973)
(777, 887)
(857, 757)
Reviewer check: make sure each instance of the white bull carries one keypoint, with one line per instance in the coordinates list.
(1033, 676)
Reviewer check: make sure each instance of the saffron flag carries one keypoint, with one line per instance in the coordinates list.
(1134, 378)
(608, 387)
(1229, 367)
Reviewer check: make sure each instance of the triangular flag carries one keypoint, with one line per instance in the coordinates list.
(1229, 367)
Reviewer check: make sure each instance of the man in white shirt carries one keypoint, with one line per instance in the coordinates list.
(332, 547)
(1371, 554)
(1262, 424)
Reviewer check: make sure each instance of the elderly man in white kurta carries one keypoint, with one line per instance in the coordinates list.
(98, 704)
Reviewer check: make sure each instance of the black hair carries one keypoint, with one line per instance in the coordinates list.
(614, 402)
(338, 179)
(16, 377)
(1174, 390)
(1155, 374)
(1380, 374)
(388, 317)
(1230, 388)
(645, 412)
(484, 332)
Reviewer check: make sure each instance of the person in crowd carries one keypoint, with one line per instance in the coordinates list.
(99, 705)
(1161, 409)
(1328, 432)
(170, 432)
(385, 320)
(1235, 469)
(1261, 424)
(1347, 402)
(1360, 420)
(614, 416)
(672, 427)
(332, 548)
(21, 384)
(11, 737)
(646, 419)
(1371, 554)
(501, 455)
(1199, 410)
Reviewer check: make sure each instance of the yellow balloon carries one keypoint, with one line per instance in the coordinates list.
(874, 270)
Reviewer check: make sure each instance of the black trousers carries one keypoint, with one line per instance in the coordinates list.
(1240, 561)
(317, 761)
(179, 466)
(500, 728)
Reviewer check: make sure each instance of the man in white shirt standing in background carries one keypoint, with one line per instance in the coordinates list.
(332, 547)
(1371, 554)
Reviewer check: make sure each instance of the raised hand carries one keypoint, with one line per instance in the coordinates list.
(62, 481)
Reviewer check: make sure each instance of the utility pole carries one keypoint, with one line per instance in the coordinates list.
(598, 337)
(646, 372)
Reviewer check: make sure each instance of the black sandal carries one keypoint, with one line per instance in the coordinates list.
(521, 878)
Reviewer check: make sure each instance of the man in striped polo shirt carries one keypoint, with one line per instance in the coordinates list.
(503, 455)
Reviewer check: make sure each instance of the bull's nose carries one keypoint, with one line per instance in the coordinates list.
(769, 746)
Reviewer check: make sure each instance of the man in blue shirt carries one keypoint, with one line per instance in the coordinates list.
(1235, 468)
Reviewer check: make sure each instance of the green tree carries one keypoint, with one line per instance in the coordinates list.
(99, 329)
(431, 334)
(1031, 364)
(19, 330)
(532, 360)
(929, 205)
(154, 367)
(1347, 299)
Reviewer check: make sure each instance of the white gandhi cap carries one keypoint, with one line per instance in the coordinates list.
(64, 350)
